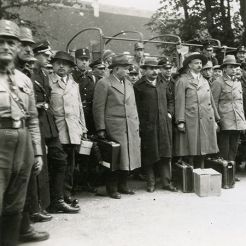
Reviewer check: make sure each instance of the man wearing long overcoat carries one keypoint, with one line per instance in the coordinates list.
(115, 115)
(227, 93)
(155, 108)
(195, 113)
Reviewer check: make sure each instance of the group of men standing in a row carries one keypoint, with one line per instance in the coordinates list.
(44, 116)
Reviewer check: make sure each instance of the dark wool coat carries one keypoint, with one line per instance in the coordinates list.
(153, 104)
(114, 110)
(42, 92)
(194, 106)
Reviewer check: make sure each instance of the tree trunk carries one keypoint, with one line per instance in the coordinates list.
(186, 8)
(243, 16)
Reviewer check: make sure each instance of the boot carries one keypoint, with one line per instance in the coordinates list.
(111, 185)
(122, 185)
(150, 177)
(165, 174)
(10, 229)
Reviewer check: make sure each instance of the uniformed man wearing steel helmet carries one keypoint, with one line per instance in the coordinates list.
(20, 145)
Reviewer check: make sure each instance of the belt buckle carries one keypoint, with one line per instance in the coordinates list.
(16, 124)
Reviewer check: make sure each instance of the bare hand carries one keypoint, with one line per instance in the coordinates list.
(181, 127)
(101, 134)
(38, 165)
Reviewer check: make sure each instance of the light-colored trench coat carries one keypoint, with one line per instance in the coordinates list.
(228, 98)
(66, 104)
(114, 110)
(195, 107)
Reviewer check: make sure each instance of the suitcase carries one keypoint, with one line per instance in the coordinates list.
(184, 176)
(226, 168)
(110, 152)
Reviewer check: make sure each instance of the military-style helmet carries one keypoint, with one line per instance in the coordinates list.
(9, 29)
(26, 35)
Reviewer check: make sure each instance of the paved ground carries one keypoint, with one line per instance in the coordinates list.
(153, 219)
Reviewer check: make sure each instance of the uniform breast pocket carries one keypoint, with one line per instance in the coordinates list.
(4, 99)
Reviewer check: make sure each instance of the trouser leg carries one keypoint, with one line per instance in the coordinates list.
(122, 181)
(17, 155)
(10, 229)
(112, 182)
(150, 176)
(70, 151)
(57, 161)
(165, 171)
(224, 144)
(234, 143)
(198, 161)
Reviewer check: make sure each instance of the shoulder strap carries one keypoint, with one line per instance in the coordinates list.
(15, 97)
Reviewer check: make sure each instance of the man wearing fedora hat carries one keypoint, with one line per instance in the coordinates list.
(20, 145)
(116, 118)
(195, 113)
(155, 109)
(68, 111)
(56, 157)
(227, 93)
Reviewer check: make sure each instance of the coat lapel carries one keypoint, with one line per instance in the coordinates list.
(228, 81)
(117, 85)
(69, 84)
(128, 88)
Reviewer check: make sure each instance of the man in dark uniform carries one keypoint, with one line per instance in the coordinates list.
(208, 51)
(57, 159)
(86, 81)
(20, 145)
(241, 54)
(98, 69)
(166, 74)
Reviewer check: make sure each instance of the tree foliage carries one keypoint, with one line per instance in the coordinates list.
(200, 19)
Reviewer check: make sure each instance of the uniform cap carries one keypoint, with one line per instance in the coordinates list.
(138, 45)
(209, 64)
(241, 48)
(133, 70)
(107, 54)
(26, 35)
(97, 63)
(9, 29)
(165, 63)
(82, 53)
(42, 47)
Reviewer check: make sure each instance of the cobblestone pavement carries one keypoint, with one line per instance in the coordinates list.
(153, 219)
